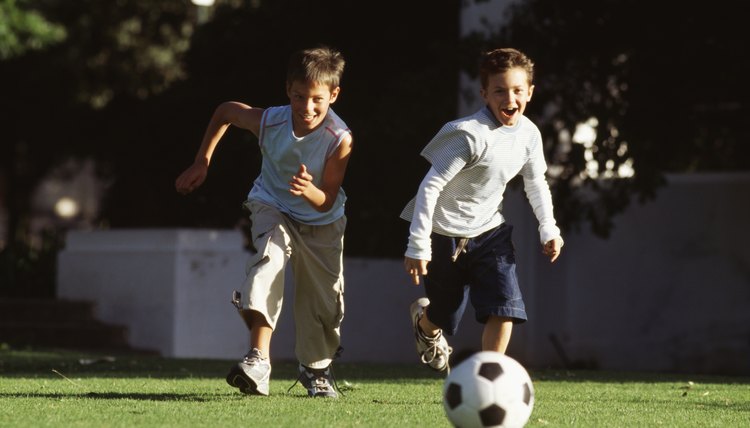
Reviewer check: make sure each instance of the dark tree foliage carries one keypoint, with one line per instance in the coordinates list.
(23, 30)
(669, 80)
(135, 82)
(56, 103)
(399, 86)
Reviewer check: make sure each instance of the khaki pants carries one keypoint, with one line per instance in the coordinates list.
(316, 256)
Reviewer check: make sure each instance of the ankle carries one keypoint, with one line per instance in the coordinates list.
(263, 355)
(430, 332)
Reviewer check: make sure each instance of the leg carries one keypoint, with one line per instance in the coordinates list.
(317, 264)
(427, 327)
(496, 334)
(440, 312)
(318, 268)
(252, 374)
(262, 295)
(260, 331)
(260, 302)
(431, 346)
(495, 293)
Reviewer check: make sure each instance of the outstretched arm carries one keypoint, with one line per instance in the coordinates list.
(228, 113)
(322, 198)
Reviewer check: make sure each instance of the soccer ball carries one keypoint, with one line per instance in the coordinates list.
(488, 389)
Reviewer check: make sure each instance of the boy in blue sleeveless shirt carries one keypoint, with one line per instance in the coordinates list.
(457, 225)
(296, 206)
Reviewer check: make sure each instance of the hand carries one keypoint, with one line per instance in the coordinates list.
(415, 268)
(552, 248)
(191, 178)
(300, 182)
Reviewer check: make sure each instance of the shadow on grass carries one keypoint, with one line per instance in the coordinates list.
(720, 404)
(123, 396)
(53, 363)
(45, 363)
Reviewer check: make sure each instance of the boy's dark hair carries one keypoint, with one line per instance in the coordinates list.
(322, 65)
(502, 60)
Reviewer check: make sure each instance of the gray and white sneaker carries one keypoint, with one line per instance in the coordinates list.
(317, 381)
(251, 375)
(433, 351)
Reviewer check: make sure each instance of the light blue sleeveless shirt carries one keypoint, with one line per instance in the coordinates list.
(283, 153)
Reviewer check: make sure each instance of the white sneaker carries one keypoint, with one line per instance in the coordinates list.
(319, 383)
(252, 374)
(433, 351)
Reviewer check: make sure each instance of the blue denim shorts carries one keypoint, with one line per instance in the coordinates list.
(485, 275)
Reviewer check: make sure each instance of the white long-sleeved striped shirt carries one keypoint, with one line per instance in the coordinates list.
(473, 159)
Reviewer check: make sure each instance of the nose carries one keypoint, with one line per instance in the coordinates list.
(310, 105)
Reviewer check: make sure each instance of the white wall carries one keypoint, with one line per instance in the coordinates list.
(668, 291)
(171, 288)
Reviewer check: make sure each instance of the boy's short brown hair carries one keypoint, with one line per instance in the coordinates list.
(322, 65)
(501, 60)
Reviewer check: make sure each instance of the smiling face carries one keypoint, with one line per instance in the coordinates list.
(507, 93)
(310, 102)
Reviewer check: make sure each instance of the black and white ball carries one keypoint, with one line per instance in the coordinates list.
(488, 389)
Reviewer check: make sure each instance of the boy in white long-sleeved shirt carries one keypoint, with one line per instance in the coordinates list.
(457, 225)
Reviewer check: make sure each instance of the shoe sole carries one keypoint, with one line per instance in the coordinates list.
(333, 396)
(239, 380)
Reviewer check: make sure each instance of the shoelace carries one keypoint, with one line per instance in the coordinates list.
(434, 349)
(320, 382)
(429, 354)
(252, 358)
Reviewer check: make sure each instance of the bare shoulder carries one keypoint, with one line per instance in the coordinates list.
(242, 115)
(347, 141)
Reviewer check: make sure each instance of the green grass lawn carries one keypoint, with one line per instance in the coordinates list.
(76, 389)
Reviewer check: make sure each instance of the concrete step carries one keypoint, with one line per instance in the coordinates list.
(57, 323)
(45, 310)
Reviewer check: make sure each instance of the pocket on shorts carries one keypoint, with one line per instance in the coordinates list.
(262, 232)
(259, 253)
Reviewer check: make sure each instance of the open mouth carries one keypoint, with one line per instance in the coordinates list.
(509, 111)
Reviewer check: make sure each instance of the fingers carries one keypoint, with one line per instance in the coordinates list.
(190, 179)
(299, 182)
(551, 250)
(303, 174)
(183, 187)
(297, 185)
(415, 269)
(414, 277)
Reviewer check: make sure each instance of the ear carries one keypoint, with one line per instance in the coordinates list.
(531, 91)
(289, 90)
(335, 94)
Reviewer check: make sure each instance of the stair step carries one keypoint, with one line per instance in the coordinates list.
(45, 310)
(64, 334)
(59, 323)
